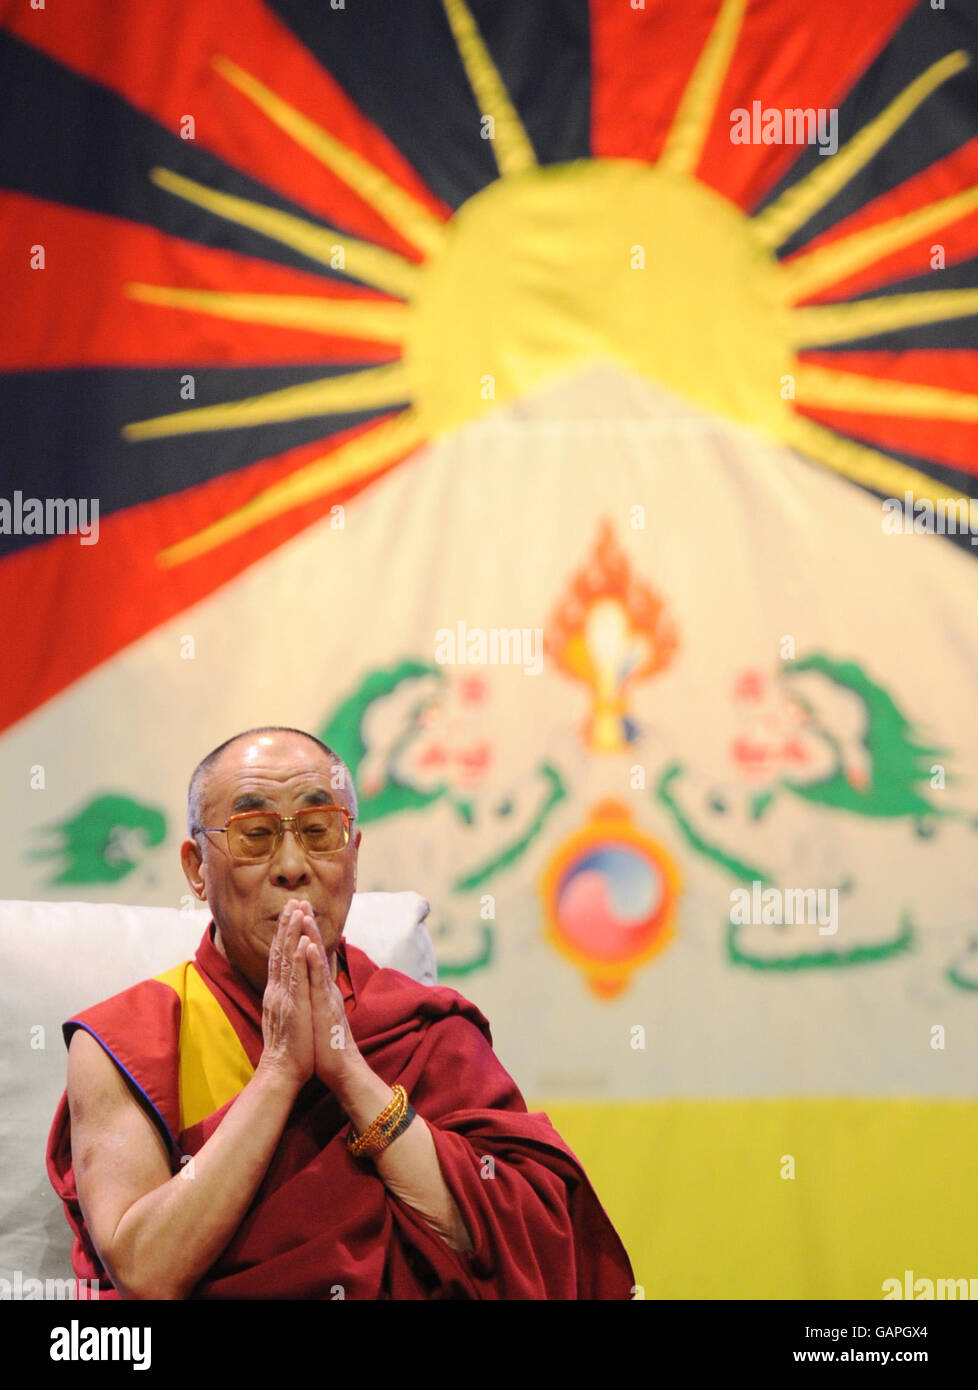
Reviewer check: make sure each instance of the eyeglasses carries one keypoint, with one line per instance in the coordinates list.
(254, 836)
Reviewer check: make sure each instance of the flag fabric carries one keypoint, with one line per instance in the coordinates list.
(570, 413)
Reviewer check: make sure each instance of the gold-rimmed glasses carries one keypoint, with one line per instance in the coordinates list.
(254, 836)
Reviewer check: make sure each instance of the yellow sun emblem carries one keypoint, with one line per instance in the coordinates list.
(552, 268)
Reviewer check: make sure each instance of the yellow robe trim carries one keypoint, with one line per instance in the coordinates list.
(214, 1066)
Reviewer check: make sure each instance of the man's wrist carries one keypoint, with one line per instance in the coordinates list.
(348, 1079)
(275, 1082)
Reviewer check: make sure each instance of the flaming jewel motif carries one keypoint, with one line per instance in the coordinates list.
(610, 630)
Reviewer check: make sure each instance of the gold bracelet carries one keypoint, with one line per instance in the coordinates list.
(390, 1116)
(393, 1132)
(371, 1140)
(357, 1141)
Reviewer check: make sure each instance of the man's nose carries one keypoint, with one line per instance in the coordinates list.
(290, 867)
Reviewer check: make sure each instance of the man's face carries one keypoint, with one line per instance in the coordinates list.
(270, 772)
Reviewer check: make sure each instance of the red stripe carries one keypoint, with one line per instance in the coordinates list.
(97, 599)
(158, 56)
(954, 368)
(790, 53)
(952, 442)
(959, 239)
(76, 312)
(641, 61)
(954, 445)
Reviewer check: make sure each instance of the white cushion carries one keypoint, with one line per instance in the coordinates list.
(59, 958)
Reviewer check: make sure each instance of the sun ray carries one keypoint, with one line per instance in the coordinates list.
(346, 318)
(397, 207)
(798, 204)
(860, 464)
(694, 115)
(510, 145)
(352, 391)
(371, 264)
(355, 461)
(827, 389)
(815, 270)
(821, 324)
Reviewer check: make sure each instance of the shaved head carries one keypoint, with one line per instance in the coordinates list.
(197, 791)
(280, 771)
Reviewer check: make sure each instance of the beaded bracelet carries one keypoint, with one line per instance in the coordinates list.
(391, 1115)
(359, 1143)
(391, 1134)
(375, 1139)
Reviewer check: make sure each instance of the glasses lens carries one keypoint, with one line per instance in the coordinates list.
(323, 829)
(253, 837)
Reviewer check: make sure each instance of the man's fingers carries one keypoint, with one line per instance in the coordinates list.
(275, 955)
(282, 953)
(286, 915)
(293, 930)
(311, 929)
(299, 985)
(317, 968)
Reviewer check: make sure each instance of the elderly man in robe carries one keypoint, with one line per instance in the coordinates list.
(281, 1118)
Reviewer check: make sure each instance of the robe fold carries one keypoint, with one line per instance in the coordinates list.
(323, 1225)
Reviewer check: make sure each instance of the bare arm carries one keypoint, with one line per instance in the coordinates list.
(158, 1234)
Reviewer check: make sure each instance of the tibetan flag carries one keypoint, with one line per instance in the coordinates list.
(568, 411)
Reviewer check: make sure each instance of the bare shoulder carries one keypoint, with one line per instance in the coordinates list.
(103, 1107)
(88, 1060)
(95, 1083)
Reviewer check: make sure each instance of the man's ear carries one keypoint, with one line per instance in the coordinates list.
(191, 859)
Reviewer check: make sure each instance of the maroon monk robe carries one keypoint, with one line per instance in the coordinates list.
(323, 1221)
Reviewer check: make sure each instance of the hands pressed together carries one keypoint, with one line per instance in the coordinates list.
(306, 1034)
(304, 1022)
